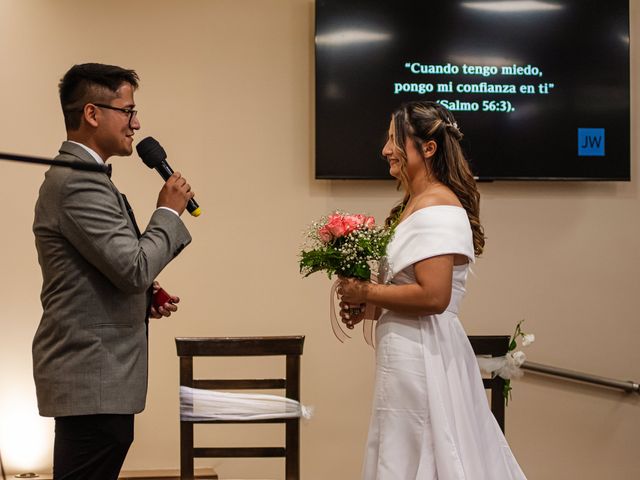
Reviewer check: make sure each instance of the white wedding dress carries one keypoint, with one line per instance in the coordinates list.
(430, 418)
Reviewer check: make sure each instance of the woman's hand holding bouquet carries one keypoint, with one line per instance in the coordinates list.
(353, 293)
(350, 246)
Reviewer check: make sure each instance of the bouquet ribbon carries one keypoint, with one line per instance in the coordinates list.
(336, 324)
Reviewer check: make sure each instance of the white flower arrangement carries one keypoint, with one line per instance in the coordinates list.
(508, 367)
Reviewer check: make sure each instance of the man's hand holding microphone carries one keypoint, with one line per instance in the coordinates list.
(176, 189)
(175, 194)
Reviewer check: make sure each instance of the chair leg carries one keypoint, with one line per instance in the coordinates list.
(292, 435)
(497, 401)
(292, 446)
(186, 451)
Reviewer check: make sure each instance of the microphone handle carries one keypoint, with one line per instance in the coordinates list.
(165, 172)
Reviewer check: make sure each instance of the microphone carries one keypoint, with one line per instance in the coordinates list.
(154, 156)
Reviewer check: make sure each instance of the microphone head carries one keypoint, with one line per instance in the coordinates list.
(151, 152)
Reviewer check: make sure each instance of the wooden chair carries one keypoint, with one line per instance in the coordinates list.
(496, 346)
(291, 347)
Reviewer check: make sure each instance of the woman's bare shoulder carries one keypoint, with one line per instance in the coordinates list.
(441, 196)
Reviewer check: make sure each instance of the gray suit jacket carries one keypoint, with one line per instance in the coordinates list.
(90, 349)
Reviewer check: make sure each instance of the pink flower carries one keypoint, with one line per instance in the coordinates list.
(336, 226)
(324, 234)
(352, 222)
(370, 222)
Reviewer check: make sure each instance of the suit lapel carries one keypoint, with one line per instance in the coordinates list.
(132, 217)
(69, 148)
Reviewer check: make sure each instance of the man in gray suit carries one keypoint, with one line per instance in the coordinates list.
(90, 349)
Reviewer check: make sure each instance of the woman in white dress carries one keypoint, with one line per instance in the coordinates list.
(430, 418)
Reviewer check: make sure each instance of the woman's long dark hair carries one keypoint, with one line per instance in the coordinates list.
(421, 122)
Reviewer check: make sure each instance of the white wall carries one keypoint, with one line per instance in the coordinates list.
(227, 88)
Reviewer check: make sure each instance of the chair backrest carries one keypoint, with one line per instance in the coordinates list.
(496, 346)
(290, 347)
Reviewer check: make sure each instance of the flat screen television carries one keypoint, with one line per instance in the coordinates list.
(540, 89)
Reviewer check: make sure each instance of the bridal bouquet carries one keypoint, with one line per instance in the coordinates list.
(344, 244)
(350, 246)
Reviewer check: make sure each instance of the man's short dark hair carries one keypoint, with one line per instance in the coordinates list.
(90, 82)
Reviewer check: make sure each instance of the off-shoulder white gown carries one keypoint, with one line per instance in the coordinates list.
(430, 418)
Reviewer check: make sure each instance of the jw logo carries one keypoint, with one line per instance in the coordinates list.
(591, 142)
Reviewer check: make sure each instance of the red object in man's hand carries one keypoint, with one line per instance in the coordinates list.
(160, 298)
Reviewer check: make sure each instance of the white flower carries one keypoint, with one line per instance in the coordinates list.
(528, 339)
(510, 367)
(518, 358)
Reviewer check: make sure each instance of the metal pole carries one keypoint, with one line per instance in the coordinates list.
(627, 386)
(87, 166)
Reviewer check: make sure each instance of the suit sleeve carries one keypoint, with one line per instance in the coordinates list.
(94, 223)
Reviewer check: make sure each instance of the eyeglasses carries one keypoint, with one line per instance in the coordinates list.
(129, 111)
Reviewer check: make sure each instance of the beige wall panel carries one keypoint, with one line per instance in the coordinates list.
(228, 89)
